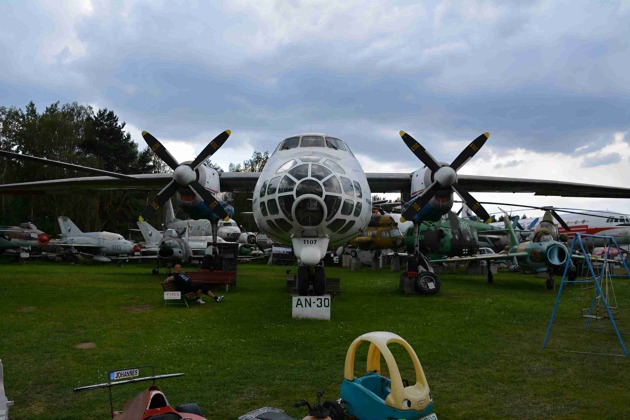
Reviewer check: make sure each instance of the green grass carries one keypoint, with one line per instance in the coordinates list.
(480, 345)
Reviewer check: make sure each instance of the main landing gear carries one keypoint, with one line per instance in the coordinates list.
(311, 276)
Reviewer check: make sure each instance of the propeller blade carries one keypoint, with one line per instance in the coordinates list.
(209, 199)
(469, 151)
(420, 152)
(160, 150)
(472, 203)
(159, 200)
(416, 205)
(212, 147)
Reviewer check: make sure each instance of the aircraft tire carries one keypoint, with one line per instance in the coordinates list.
(427, 283)
(302, 280)
(572, 273)
(549, 282)
(319, 281)
(353, 253)
(191, 408)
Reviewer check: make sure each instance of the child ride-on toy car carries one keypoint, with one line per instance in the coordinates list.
(374, 396)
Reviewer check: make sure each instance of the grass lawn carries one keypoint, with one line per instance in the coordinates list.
(480, 345)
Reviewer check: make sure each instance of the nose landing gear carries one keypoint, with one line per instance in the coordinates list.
(307, 276)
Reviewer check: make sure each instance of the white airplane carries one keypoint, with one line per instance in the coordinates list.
(600, 223)
(102, 245)
(172, 246)
(589, 222)
(227, 230)
(313, 193)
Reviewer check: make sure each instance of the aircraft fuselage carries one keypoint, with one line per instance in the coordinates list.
(312, 194)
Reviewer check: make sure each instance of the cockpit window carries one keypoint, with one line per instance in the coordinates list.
(299, 172)
(347, 185)
(312, 141)
(319, 172)
(332, 185)
(273, 185)
(263, 189)
(334, 166)
(286, 185)
(309, 186)
(335, 143)
(357, 189)
(288, 165)
(290, 143)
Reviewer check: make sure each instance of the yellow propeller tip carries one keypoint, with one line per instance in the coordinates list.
(402, 133)
(226, 219)
(141, 218)
(402, 219)
(489, 220)
(229, 132)
(144, 133)
(486, 134)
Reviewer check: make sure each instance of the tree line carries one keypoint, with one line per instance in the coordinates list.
(81, 135)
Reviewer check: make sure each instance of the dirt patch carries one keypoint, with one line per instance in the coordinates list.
(27, 309)
(137, 308)
(85, 346)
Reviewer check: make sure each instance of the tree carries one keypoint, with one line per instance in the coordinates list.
(76, 134)
(255, 164)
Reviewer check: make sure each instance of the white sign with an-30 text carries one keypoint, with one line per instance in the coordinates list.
(312, 307)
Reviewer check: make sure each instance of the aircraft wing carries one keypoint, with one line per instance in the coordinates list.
(5, 243)
(396, 182)
(487, 257)
(76, 245)
(136, 182)
(230, 181)
(379, 183)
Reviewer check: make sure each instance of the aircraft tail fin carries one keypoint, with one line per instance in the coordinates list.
(68, 228)
(169, 213)
(510, 228)
(150, 234)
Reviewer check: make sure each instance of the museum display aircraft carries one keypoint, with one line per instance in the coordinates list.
(23, 238)
(99, 246)
(382, 233)
(178, 247)
(544, 253)
(312, 193)
(589, 222)
(228, 230)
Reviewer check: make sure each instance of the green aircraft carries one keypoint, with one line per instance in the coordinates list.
(544, 253)
(453, 236)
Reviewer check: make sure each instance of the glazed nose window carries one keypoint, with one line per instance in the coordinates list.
(309, 212)
(309, 187)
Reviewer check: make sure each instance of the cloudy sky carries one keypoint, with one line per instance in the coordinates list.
(550, 80)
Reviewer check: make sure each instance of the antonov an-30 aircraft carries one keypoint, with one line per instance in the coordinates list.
(313, 194)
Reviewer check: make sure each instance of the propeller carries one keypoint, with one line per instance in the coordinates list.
(444, 176)
(184, 175)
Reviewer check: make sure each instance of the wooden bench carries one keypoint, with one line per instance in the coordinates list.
(210, 278)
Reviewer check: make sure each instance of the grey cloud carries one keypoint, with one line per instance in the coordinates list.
(602, 160)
